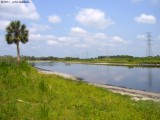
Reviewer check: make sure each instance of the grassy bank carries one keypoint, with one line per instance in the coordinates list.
(128, 61)
(27, 94)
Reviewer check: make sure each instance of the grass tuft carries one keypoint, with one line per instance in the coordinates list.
(43, 87)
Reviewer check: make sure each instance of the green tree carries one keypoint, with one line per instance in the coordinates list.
(17, 33)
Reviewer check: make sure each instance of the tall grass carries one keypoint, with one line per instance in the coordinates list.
(25, 94)
(43, 86)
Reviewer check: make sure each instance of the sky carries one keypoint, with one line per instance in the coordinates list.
(83, 28)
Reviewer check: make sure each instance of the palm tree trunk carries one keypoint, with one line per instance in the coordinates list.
(18, 53)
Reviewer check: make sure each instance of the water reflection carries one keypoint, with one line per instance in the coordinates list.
(67, 64)
(133, 77)
(150, 77)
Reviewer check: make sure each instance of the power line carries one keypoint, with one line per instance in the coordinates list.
(148, 44)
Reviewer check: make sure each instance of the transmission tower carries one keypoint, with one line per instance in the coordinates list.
(149, 45)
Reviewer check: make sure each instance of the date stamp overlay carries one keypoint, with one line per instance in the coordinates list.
(14, 1)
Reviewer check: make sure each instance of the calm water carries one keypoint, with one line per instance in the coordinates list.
(147, 79)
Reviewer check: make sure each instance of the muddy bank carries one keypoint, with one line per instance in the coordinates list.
(135, 94)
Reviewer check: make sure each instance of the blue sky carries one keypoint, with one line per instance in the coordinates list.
(83, 28)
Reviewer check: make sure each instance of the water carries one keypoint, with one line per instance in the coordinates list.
(140, 78)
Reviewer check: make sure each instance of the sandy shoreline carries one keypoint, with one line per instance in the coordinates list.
(135, 94)
(58, 73)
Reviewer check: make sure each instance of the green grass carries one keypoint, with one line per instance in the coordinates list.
(152, 61)
(26, 94)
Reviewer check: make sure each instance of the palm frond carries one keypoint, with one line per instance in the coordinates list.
(23, 27)
(25, 36)
(9, 38)
(17, 24)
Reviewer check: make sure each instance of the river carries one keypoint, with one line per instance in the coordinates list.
(141, 78)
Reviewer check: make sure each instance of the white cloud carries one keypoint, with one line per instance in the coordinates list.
(78, 33)
(87, 39)
(37, 27)
(108, 44)
(141, 37)
(85, 35)
(41, 37)
(144, 18)
(93, 17)
(54, 19)
(18, 10)
(95, 39)
(67, 39)
(81, 38)
(118, 40)
(64, 39)
(78, 30)
(100, 36)
(115, 42)
(52, 42)
(4, 24)
(81, 46)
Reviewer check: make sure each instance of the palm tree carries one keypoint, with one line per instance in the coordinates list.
(16, 33)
